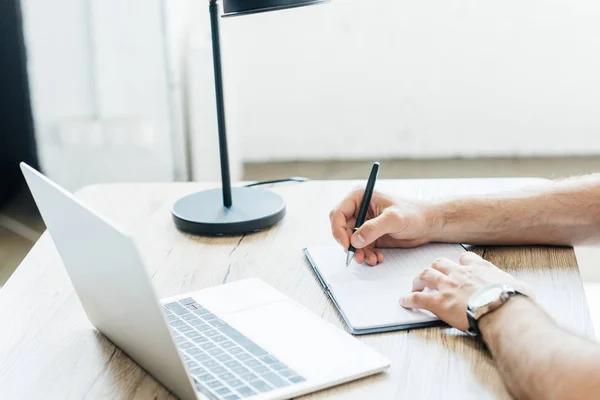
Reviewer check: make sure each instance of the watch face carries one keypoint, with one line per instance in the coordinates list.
(486, 297)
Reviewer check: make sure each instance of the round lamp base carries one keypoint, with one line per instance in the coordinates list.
(203, 213)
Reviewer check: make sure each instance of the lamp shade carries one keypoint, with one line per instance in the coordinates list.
(240, 7)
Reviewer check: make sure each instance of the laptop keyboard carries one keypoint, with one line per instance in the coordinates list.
(223, 362)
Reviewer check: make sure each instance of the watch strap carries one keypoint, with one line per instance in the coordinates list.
(473, 329)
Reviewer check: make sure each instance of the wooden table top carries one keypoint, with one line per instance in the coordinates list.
(48, 348)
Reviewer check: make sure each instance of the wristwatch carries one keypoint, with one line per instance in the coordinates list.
(486, 300)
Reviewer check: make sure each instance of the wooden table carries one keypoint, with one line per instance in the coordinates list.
(49, 350)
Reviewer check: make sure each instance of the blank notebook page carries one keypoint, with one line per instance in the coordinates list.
(369, 296)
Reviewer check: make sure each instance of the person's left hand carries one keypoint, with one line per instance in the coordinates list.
(452, 284)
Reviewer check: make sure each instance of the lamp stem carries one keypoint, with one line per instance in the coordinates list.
(216, 45)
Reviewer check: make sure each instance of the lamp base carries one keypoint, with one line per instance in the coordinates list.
(203, 213)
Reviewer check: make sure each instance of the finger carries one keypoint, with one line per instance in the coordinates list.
(468, 258)
(370, 257)
(420, 300)
(351, 223)
(428, 278)
(373, 229)
(379, 255)
(359, 256)
(339, 230)
(444, 265)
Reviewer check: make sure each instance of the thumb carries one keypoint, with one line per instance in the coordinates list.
(372, 230)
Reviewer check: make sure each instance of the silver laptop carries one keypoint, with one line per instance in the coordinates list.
(239, 340)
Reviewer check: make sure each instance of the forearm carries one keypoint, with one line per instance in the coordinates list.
(565, 212)
(537, 359)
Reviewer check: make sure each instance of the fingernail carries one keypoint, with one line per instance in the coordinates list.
(359, 239)
(402, 301)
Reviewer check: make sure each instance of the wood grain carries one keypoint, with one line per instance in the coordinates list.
(49, 350)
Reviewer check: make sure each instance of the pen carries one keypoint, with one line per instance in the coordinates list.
(364, 207)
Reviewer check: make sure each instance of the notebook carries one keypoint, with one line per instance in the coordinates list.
(367, 298)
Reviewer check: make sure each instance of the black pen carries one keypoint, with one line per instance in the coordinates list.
(364, 207)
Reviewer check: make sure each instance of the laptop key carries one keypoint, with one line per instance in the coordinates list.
(245, 391)
(218, 370)
(249, 377)
(297, 379)
(260, 386)
(171, 317)
(184, 329)
(286, 373)
(210, 363)
(208, 317)
(199, 324)
(188, 317)
(177, 323)
(201, 311)
(186, 345)
(211, 333)
(274, 380)
(187, 300)
(235, 350)
(232, 397)
(214, 384)
(232, 364)
(217, 323)
(277, 366)
(208, 345)
(253, 363)
(234, 382)
(219, 338)
(192, 334)
(179, 339)
(261, 369)
(226, 376)
(243, 356)
(199, 339)
(223, 391)
(223, 357)
(202, 358)
(269, 359)
(198, 371)
(227, 345)
(215, 352)
(241, 371)
(176, 308)
(206, 378)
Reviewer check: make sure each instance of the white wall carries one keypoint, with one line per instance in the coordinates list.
(397, 78)
(123, 90)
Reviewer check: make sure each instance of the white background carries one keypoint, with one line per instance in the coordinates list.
(122, 89)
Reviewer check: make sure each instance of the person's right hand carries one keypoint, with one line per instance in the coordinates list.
(389, 223)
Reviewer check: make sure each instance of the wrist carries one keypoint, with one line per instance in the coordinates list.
(445, 221)
(494, 322)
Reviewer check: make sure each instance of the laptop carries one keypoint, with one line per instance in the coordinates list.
(235, 341)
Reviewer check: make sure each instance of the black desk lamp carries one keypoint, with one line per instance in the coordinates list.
(241, 209)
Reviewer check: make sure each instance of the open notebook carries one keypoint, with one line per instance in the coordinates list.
(367, 298)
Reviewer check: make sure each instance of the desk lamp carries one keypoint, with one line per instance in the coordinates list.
(231, 211)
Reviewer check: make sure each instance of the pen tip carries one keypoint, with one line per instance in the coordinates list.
(349, 257)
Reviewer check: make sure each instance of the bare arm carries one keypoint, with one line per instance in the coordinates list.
(537, 359)
(563, 212)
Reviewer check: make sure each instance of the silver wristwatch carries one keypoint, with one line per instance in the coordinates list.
(486, 300)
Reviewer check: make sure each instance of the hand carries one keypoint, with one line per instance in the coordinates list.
(454, 284)
(389, 223)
